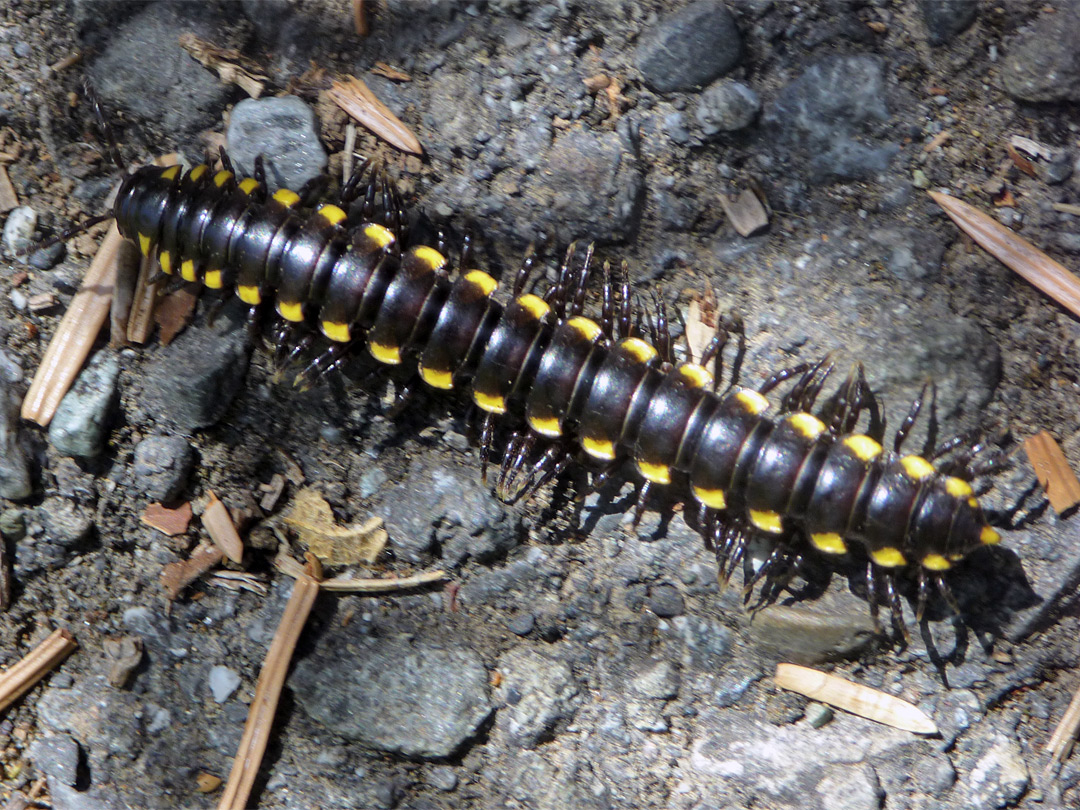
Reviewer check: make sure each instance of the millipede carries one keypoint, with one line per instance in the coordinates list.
(569, 388)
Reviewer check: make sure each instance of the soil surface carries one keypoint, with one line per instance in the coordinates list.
(570, 659)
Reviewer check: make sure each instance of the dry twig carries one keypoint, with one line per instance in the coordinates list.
(1016, 253)
(1061, 741)
(855, 698)
(18, 679)
(75, 335)
(287, 565)
(268, 690)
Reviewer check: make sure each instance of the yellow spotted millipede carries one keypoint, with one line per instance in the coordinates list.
(577, 388)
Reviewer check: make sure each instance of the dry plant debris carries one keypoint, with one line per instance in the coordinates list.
(230, 66)
(123, 655)
(75, 335)
(8, 198)
(178, 575)
(317, 529)
(356, 98)
(745, 211)
(170, 522)
(268, 689)
(1014, 252)
(855, 698)
(1053, 471)
(359, 15)
(1061, 741)
(219, 525)
(174, 312)
(347, 584)
(20, 678)
(391, 73)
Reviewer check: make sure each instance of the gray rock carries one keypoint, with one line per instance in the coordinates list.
(78, 428)
(15, 481)
(48, 257)
(162, 84)
(812, 634)
(818, 714)
(442, 777)
(222, 682)
(19, 228)
(522, 624)
(13, 524)
(935, 774)
(1059, 168)
(162, 465)
(62, 530)
(1043, 63)
(284, 131)
(447, 508)
(538, 693)
(1000, 777)
(848, 787)
(592, 183)
(58, 756)
(192, 381)
(946, 18)
(665, 601)
(403, 696)
(826, 107)
(707, 641)
(659, 681)
(726, 106)
(689, 48)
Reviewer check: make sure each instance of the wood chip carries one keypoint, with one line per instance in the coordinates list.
(746, 213)
(355, 98)
(170, 522)
(1033, 148)
(1053, 471)
(855, 698)
(272, 492)
(207, 782)
(178, 575)
(1067, 208)
(1021, 162)
(75, 335)
(219, 525)
(230, 66)
(268, 690)
(314, 522)
(8, 198)
(239, 581)
(41, 302)
(124, 655)
(1016, 253)
(391, 73)
(20, 678)
(936, 141)
(174, 312)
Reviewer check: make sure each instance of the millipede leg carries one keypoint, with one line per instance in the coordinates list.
(924, 593)
(872, 594)
(522, 277)
(781, 376)
(581, 284)
(626, 308)
(909, 420)
(947, 594)
(642, 501)
(486, 435)
(896, 609)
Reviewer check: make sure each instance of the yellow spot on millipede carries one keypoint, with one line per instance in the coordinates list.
(657, 473)
(766, 520)
(829, 542)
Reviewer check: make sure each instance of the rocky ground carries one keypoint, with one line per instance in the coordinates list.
(573, 661)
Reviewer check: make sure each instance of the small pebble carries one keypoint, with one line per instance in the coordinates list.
(818, 714)
(223, 682)
(19, 228)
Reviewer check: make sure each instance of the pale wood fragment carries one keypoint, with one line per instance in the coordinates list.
(855, 698)
(219, 525)
(1053, 471)
(745, 211)
(75, 335)
(356, 98)
(8, 198)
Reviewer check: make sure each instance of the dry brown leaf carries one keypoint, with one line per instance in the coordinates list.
(356, 98)
(855, 698)
(314, 522)
(1014, 252)
(178, 575)
(1053, 471)
(169, 522)
(174, 312)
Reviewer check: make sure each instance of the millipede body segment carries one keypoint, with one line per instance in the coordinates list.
(806, 480)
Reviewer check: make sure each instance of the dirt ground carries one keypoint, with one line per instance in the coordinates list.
(570, 659)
